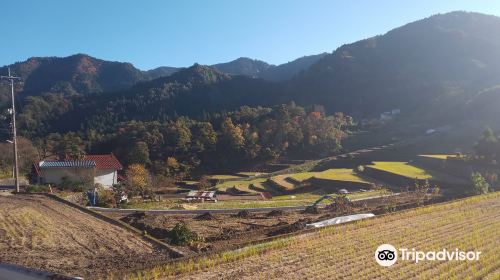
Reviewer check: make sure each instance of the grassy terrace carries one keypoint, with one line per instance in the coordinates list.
(277, 201)
(443, 156)
(242, 184)
(402, 168)
(225, 177)
(412, 171)
(341, 174)
(347, 251)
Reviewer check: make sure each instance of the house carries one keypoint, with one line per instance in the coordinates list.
(106, 169)
(92, 169)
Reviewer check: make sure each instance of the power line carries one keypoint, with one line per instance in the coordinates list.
(12, 79)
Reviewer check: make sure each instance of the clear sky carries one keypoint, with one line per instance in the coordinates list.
(152, 33)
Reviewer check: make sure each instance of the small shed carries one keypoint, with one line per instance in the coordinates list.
(194, 196)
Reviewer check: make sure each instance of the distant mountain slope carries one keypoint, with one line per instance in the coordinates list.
(442, 68)
(193, 92)
(82, 73)
(288, 70)
(163, 71)
(243, 66)
(431, 66)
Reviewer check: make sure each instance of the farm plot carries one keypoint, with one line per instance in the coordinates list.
(38, 232)
(409, 172)
(248, 186)
(347, 251)
(341, 174)
(402, 168)
(225, 231)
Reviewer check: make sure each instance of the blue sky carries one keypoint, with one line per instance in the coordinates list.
(152, 33)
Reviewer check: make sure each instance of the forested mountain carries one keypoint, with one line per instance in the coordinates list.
(243, 66)
(445, 67)
(442, 69)
(79, 73)
(162, 71)
(195, 92)
(432, 67)
(288, 70)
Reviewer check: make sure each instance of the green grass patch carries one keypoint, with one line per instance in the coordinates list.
(443, 156)
(341, 174)
(402, 168)
(225, 177)
(249, 174)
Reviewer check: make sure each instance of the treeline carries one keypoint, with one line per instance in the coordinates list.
(178, 147)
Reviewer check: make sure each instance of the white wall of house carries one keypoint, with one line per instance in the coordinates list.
(55, 175)
(106, 177)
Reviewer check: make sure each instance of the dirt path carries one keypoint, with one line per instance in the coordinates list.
(38, 232)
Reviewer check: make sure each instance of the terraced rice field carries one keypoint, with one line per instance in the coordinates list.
(439, 156)
(341, 174)
(242, 185)
(402, 168)
(412, 171)
(282, 182)
(347, 251)
(225, 177)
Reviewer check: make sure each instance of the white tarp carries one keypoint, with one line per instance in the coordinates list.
(340, 220)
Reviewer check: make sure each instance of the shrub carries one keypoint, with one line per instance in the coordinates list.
(479, 184)
(182, 235)
(105, 198)
(37, 188)
(68, 184)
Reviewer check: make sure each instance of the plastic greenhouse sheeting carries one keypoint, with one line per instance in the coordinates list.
(340, 220)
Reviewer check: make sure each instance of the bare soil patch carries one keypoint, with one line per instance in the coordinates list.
(227, 231)
(38, 232)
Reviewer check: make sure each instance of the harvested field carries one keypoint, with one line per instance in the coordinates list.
(281, 181)
(347, 251)
(38, 232)
(242, 185)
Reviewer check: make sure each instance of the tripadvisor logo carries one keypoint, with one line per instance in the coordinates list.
(387, 255)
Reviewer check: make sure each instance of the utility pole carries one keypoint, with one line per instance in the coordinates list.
(11, 79)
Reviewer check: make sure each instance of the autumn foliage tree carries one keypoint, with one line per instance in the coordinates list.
(138, 180)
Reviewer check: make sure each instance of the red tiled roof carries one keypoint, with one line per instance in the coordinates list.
(105, 161)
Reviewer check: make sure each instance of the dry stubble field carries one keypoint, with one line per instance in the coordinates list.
(38, 232)
(347, 251)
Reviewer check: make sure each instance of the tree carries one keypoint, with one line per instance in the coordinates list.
(138, 180)
(27, 155)
(139, 154)
(479, 184)
(204, 183)
(204, 137)
(488, 144)
(232, 135)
